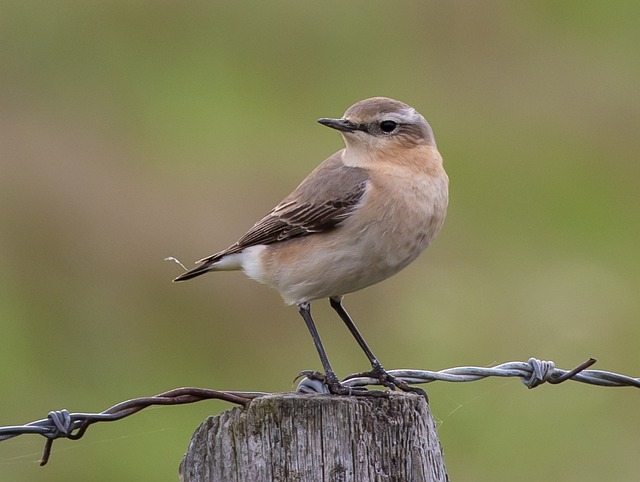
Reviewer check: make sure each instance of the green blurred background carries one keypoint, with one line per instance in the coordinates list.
(135, 130)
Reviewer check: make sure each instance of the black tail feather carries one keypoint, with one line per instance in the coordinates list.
(192, 273)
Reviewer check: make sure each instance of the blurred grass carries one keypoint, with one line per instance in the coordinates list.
(131, 131)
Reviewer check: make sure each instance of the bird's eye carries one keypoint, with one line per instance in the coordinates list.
(388, 126)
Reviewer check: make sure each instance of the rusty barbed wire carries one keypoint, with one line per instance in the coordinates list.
(62, 424)
(534, 372)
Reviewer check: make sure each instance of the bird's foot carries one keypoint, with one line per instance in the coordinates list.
(332, 385)
(387, 380)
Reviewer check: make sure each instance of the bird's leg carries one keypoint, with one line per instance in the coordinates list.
(329, 378)
(377, 370)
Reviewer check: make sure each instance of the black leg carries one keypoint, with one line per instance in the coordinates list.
(336, 304)
(305, 311)
(330, 378)
(378, 370)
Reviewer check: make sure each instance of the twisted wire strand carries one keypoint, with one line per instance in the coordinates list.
(534, 372)
(62, 424)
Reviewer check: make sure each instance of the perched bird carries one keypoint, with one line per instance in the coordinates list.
(360, 217)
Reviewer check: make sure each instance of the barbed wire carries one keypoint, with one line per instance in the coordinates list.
(532, 373)
(62, 424)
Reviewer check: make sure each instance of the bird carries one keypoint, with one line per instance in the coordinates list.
(359, 217)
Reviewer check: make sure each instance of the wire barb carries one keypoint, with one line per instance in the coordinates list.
(534, 372)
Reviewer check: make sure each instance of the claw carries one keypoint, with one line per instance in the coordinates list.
(310, 374)
(387, 380)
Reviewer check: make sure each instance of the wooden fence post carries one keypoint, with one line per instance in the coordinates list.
(309, 438)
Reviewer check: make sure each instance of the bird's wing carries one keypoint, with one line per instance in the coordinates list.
(296, 218)
(328, 196)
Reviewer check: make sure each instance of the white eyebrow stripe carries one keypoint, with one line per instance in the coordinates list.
(407, 116)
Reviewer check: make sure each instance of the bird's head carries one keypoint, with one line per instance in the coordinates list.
(382, 124)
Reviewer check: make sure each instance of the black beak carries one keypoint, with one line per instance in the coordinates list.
(343, 125)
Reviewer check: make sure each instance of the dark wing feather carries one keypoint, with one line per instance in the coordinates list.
(293, 218)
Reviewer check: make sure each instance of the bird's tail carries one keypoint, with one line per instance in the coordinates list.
(207, 264)
(192, 273)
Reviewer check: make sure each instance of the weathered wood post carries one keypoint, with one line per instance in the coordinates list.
(308, 438)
